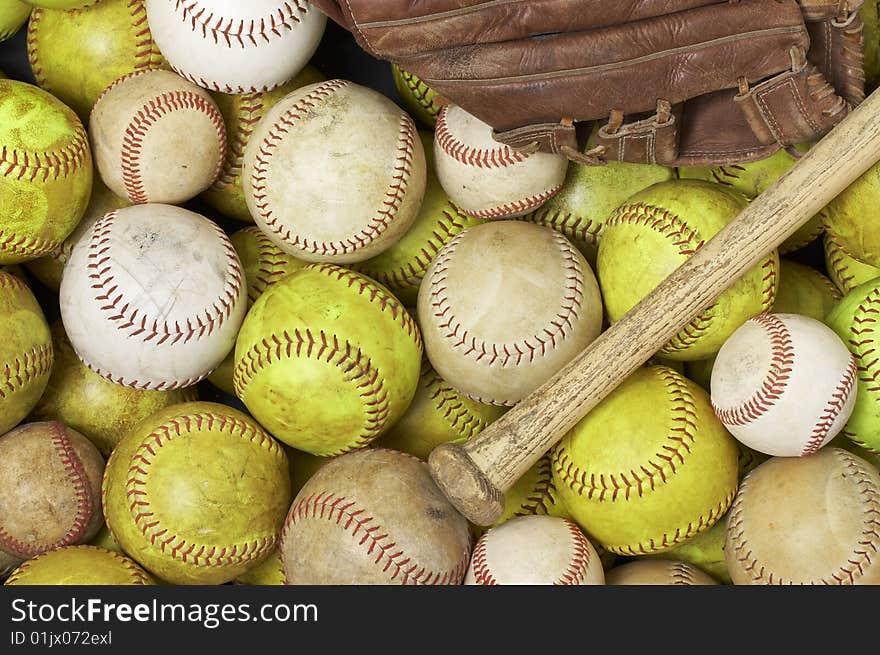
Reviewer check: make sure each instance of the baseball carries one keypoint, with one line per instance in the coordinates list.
(374, 516)
(157, 138)
(98, 409)
(80, 565)
(657, 573)
(196, 493)
(488, 179)
(535, 550)
(854, 320)
(152, 297)
(845, 217)
(334, 130)
(504, 306)
(13, 15)
(25, 351)
(648, 468)
(236, 47)
(845, 271)
(810, 520)
(45, 172)
(657, 230)
(421, 100)
(784, 384)
(804, 290)
(76, 54)
(327, 328)
(50, 483)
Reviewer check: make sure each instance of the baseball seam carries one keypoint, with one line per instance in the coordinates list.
(497, 157)
(518, 352)
(273, 264)
(240, 32)
(26, 368)
(450, 406)
(44, 166)
(420, 91)
(862, 344)
(775, 382)
(383, 216)
(579, 564)
(479, 565)
(391, 557)
(249, 112)
(543, 494)
(681, 574)
(147, 54)
(520, 206)
(175, 546)
(722, 174)
(832, 409)
(574, 227)
(836, 256)
(25, 245)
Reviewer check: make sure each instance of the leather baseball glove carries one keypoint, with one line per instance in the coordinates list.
(675, 82)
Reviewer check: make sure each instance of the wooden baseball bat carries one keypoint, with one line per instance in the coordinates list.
(475, 475)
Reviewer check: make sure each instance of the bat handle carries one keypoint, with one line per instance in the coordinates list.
(466, 484)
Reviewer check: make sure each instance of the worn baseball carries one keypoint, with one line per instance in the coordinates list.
(704, 552)
(13, 15)
(241, 114)
(152, 297)
(157, 138)
(100, 410)
(854, 320)
(657, 230)
(329, 329)
(804, 290)
(50, 484)
(402, 267)
(535, 550)
(438, 414)
(504, 306)
(845, 271)
(335, 130)
(49, 268)
(650, 467)
(846, 217)
(25, 351)
(421, 100)
(45, 172)
(80, 565)
(810, 520)
(76, 54)
(489, 179)
(196, 493)
(590, 194)
(534, 493)
(374, 516)
(236, 47)
(784, 384)
(658, 573)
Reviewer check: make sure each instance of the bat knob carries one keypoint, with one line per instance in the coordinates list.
(465, 484)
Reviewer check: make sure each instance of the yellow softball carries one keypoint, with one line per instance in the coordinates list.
(13, 15)
(534, 493)
(657, 230)
(421, 100)
(197, 493)
(327, 333)
(804, 290)
(849, 217)
(45, 172)
(90, 404)
(705, 552)
(241, 113)
(25, 351)
(80, 565)
(76, 54)
(650, 467)
(845, 271)
(269, 572)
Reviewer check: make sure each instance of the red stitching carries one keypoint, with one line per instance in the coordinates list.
(248, 114)
(449, 404)
(543, 495)
(31, 45)
(515, 353)
(10, 281)
(722, 174)
(376, 225)
(579, 564)
(479, 565)
(273, 264)
(836, 256)
(43, 166)
(499, 157)
(681, 573)
(774, 383)
(25, 245)
(686, 239)
(522, 206)
(574, 227)
(851, 569)
(388, 555)
(832, 409)
(127, 318)
(26, 368)
(768, 292)
(240, 32)
(419, 91)
(150, 525)
(356, 368)
(862, 344)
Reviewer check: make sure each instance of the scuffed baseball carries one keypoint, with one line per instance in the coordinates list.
(157, 138)
(335, 172)
(658, 572)
(535, 550)
(784, 384)
(152, 297)
(504, 306)
(810, 520)
(233, 46)
(489, 179)
(374, 517)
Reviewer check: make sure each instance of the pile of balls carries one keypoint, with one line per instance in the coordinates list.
(397, 289)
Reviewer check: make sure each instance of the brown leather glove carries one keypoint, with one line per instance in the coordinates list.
(675, 82)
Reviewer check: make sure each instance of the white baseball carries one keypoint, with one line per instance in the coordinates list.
(658, 572)
(489, 179)
(157, 138)
(233, 46)
(783, 384)
(335, 172)
(152, 297)
(504, 306)
(535, 550)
